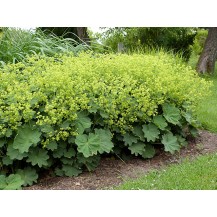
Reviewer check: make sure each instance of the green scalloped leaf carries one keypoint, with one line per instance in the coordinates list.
(104, 114)
(193, 131)
(8, 133)
(182, 141)
(47, 129)
(60, 151)
(71, 171)
(70, 153)
(151, 132)
(7, 161)
(88, 145)
(137, 148)
(65, 124)
(170, 143)
(52, 146)
(187, 116)
(105, 137)
(129, 139)
(83, 122)
(160, 122)
(25, 138)
(68, 161)
(149, 151)
(38, 157)
(14, 182)
(58, 172)
(29, 175)
(71, 140)
(14, 154)
(2, 142)
(171, 113)
(3, 182)
(91, 162)
(137, 131)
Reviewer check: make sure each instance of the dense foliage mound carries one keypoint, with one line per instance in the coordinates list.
(62, 113)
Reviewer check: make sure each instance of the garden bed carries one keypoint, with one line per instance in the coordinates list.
(112, 172)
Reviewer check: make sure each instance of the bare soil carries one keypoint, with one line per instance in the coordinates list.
(112, 172)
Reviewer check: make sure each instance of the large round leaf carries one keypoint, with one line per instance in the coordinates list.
(149, 151)
(105, 137)
(14, 182)
(88, 145)
(171, 113)
(151, 132)
(137, 148)
(29, 175)
(25, 138)
(170, 142)
(160, 122)
(38, 156)
(83, 122)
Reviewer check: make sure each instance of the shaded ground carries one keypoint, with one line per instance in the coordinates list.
(112, 172)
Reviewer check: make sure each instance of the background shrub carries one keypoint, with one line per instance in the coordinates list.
(199, 41)
(178, 40)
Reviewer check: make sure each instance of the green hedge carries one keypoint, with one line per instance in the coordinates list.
(62, 113)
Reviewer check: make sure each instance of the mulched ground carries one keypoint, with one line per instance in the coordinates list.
(112, 172)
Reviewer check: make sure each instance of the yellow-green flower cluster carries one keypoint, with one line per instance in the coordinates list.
(125, 87)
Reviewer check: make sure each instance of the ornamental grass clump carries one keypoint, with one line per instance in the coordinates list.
(63, 113)
(16, 44)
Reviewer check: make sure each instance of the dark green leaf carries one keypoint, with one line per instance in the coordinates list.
(137, 148)
(14, 154)
(187, 116)
(8, 133)
(88, 145)
(105, 137)
(47, 129)
(151, 132)
(71, 140)
(83, 122)
(171, 113)
(7, 161)
(65, 124)
(170, 143)
(91, 162)
(129, 139)
(182, 141)
(137, 131)
(3, 182)
(59, 152)
(38, 156)
(25, 138)
(104, 114)
(160, 122)
(29, 175)
(70, 153)
(71, 171)
(193, 131)
(93, 107)
(14, 182)
(2, 142)
(52, 146)
(68, 161)
(149, 151)
(58, 172)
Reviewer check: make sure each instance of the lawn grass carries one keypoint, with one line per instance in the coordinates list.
(199, 174)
